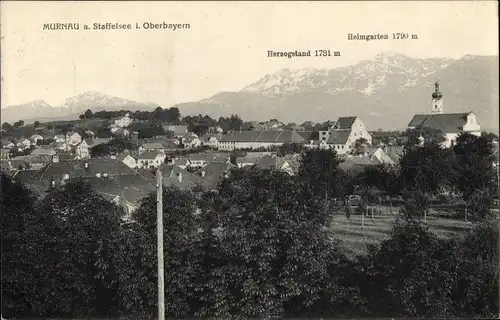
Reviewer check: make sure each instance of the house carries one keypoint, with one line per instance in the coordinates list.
(24, 144)
(111, 179)
(92, 142)
(123, 122)
(343, 134)
(82, 150)
(128, 160)
(191, 142)
(5, 154)
(90, 133)
(44, 150)
(10, 145)
(394, 152)
(62, 155)
(379, 153)
(197, 160)
(153, 146)
(450, 124)
(59, 138)
(35, 161)
(167, 144)
(242, 162)
(274, 162)
(151, 159)
(358, 163)
(213, 173)
(216, 130)
(63, 146)
(173, 175)
(177, 130)
(15, 164)
(35, 138)
(118, 131)
(258, 139)
(73, 138)
(180, 162)
(211, 140)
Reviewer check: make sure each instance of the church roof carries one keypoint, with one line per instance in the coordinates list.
(446, 122)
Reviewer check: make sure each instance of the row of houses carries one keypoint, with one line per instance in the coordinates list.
(341, 136)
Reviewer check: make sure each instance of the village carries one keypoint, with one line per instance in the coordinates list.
(126, 174)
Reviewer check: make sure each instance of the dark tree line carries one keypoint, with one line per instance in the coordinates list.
(171, 115)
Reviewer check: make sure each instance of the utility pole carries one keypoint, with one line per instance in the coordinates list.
(159, 227)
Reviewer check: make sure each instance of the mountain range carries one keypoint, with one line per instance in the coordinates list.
(385, 92)
(72, 107)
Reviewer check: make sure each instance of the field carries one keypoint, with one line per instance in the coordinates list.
(354, 237)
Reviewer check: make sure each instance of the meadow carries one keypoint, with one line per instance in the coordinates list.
(354, 237)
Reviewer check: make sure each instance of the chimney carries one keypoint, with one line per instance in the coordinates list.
(55, 158)
(179, 175)
(203, 173)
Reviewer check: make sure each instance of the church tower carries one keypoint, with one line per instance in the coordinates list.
(437, 100)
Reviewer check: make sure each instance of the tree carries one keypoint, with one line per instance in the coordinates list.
(24, 242)
(36, 124)
(271, 235)
(319, 168)
(85, 228)
(7, 127)
(18, 124)
(428, 168)
(148, 130)
(359, 144)
(489, 136)
(82, 116)
(431, 135)
(88, 114)
(403, 277)
(138, 282)
(474, 167)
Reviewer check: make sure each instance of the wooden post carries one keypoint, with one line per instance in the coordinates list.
(159, 227)
(362, 218)
(465, 211)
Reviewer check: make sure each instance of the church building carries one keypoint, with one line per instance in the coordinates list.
(450, 124)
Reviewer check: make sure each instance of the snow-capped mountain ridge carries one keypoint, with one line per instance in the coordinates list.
(372, 73)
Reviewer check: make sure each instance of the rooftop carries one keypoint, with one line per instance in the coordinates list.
(445, 122)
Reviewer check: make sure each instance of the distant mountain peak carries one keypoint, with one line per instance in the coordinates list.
(390, 54)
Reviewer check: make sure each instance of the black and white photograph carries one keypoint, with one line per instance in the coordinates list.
(249, 160)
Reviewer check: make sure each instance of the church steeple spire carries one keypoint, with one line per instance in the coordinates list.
(437, 100)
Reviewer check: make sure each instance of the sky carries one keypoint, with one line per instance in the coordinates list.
(225, 48)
